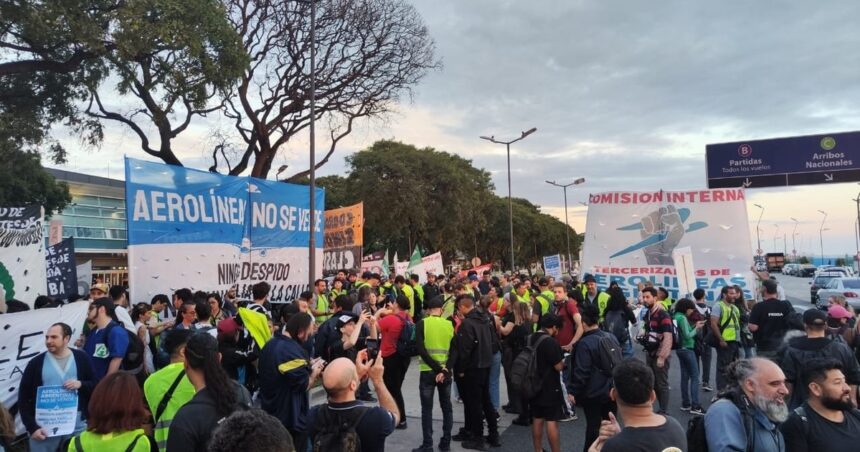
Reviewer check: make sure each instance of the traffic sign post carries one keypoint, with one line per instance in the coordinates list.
(806, 160)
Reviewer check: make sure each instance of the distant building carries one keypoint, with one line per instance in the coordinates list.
(96, 219)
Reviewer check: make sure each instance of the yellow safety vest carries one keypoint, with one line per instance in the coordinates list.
(111, 441)
(322, 306)
(730, 316)
(154, 389)
(438, 333)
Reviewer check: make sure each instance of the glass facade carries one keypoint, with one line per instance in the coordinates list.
(95, 222)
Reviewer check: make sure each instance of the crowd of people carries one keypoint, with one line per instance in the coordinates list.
(190, 371)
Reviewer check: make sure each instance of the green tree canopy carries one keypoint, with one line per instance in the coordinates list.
(440, 201)
(23, 181)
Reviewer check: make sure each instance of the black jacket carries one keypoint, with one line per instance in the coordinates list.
(586, 380)
(472, 347)
(32, 379)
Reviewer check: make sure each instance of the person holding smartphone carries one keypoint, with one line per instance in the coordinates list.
(352, 339)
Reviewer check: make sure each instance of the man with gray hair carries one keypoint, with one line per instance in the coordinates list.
(748, 414)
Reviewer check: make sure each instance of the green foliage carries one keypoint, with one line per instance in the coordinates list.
(803, 260)
(440, 202)
(23, 180)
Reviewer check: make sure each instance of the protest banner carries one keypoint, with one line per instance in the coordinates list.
(23, 337)
(552, 266)
(630, 238)
(85, 277)
(400, 268)
(372, 262)
(344, 239)
(479, 269)
(61, 270)
(56, 410)
(432, 263)
(22, 253)
(206, 231)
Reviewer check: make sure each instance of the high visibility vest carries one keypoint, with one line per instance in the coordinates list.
(545, 298)
(524, 298)
(730, 316)
(448, 306)
(438, 333)
(154, 388)
(322, 306)
(410, 294)
(420, 291)
(667, 303)
(112, 441)
(336, 293)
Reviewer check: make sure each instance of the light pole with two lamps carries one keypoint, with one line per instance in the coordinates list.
(508, 144)
(567, 229)
(821, 234)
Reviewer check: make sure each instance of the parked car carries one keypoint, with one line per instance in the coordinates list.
(819, 282)
(847, 287)
(806, 270)
(832, 269)
(791, 269)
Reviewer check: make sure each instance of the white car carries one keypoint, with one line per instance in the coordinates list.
(846, 287)
(833, 269)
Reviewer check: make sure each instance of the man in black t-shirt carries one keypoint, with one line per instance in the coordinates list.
(769, 321)
(548, 406)
(828, 420)
(644, 430)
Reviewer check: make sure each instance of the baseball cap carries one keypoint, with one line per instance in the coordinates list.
(345, 317)
(366, 275)
(473, 278)
(106, 303)
(227, 326)
(838, 312)
(101, 286)
(814, 316)
(435, 302)
(588, 278)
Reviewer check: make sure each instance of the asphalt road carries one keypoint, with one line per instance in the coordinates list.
(516, 438)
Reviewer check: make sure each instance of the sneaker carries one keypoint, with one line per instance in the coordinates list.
(707, 387)
(685, 407)
(697, 410)
(498, 416)
(423, 449)
(402, 426)
(459, 400)
(444, 446)
(572, 417)
(462, 435)
(493, 440)
(475, 444)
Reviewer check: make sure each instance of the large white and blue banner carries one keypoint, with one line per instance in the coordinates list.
(206, 231)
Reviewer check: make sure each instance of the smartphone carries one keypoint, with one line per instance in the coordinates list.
(372, 349)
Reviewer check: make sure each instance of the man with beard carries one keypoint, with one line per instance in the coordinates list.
(827, 420)
(816, 344)
(748, 414)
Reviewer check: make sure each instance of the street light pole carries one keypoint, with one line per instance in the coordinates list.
(757, 234)
(793, 234)
(821, 235)
(567, 229)
(507, 144)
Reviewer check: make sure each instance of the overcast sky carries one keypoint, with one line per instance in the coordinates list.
(625, 94)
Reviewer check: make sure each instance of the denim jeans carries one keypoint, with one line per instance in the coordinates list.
(689, 376)
(427, 386)
(626, 350)
(705, 359)
(495, 374)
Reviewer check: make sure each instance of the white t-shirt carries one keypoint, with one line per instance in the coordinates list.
(124, 318)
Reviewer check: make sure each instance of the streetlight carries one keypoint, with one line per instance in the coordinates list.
(312, 134)
(775, 235)
(793, 234)
(567, 229)
(821, 235)
(757, 236)
(507, 144)
(857, 200)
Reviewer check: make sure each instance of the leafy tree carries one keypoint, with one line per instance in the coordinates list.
(23, 180)
(369, 53)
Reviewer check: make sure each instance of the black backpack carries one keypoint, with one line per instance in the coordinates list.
(608, 353)
(406, 345)
(338, 429)
(697, 440)
(524, 376)
(616, 324)
(133, 359)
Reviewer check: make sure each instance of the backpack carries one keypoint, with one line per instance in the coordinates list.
(697, 439)
(338, 429)
(406, 345)
(616, 324)
(524, 375)
(608, 353)
(133, 359)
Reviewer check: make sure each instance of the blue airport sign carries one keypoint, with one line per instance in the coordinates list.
(813, 159)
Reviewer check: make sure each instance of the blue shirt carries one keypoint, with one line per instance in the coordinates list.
(284, 375)
(725, 431)
(102, 350)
